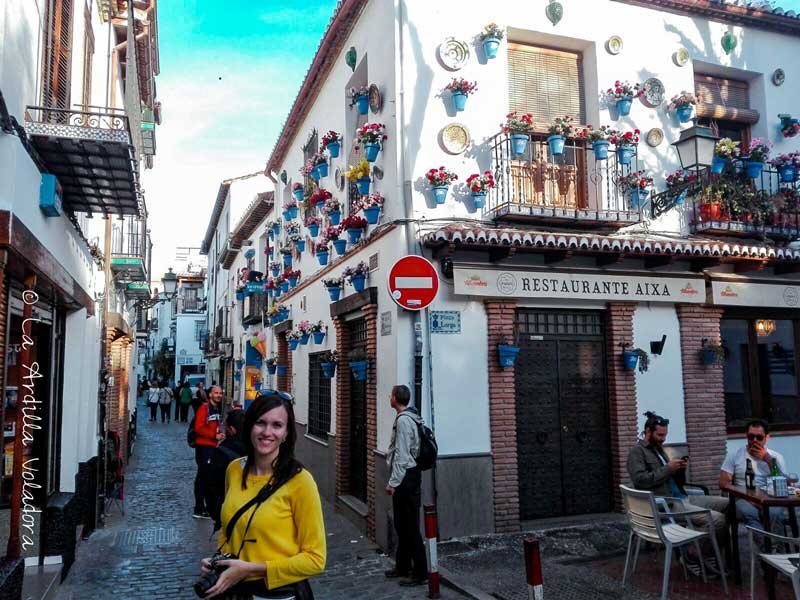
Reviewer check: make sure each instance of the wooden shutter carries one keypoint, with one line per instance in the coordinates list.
(546, 83)
(724, 99)
(58, 52)
(88, 54)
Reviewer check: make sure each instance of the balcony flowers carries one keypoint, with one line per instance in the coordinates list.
(333, 209)
(599, 138)
(479, 185)
(294, 337)
(460, 89)
(711, 199)
(332, 142)
(560, 129)
(519, 129)
(372, 204)
(317, 331)
(370, 136)
(789, 127)
(625, 144)
(354, 226)
(679, 181)
(313, 223)
(332, 235)
(638, 184)
(275, 268)
(725, 151)
(304, 327)
(786, 164)
(334, 285)
(360, 174)
(275, 228)
(756, 155)
(309, 168)
(622, 95)
(357, 276)
(297, 190)
(490, 38)
(319, 197)
(440, 180)
(359, 97)
(322, 251)
(682, 105)
(290, 209)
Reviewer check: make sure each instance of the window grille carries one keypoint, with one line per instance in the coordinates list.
(319, 398)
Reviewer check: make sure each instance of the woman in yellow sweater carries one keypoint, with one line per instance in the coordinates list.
(280, 542)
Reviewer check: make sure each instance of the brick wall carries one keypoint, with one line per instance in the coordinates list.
(3, 334)
(342, 408)
(623, 421)
(284, 358)
(503, 419)
(371, 319)
(703, 391)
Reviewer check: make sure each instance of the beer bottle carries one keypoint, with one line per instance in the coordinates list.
(750, 476)
(775, 471)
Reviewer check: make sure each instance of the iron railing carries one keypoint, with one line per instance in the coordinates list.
(574, 185)
(253, 308)
(127, 238)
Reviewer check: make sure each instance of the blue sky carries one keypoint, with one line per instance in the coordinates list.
(230, 71)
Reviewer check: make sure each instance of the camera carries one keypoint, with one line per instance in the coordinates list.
(209, 580)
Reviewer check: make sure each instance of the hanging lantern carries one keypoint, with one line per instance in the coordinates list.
(554, 12)
(350, 58)
(765, 327)
(729, 42)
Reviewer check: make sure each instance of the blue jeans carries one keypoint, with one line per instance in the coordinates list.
(751, 515)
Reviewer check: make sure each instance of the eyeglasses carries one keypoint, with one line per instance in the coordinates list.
(755, 436)
(279, 393)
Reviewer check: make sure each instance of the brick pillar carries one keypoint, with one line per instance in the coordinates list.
(284, 358)
(703, 393)
(3, 340)
(621, 393)
(370, 313)
(503, 419)
(342, 408)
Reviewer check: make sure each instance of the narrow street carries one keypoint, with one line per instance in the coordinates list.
(153, 551)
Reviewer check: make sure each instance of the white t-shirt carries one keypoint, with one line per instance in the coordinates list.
(736, 464)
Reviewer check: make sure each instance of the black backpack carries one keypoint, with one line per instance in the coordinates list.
(191, 434)
(428, 448)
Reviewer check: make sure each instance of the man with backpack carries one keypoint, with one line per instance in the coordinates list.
(207, 436)
(405, 483)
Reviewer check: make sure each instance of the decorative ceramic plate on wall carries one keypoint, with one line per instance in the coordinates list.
(453, 53)
(681, 57)
(654, 137)
(455, 138)
(338, 178)
(778, 77)
(654, 92)
(375, 99)
(614, 45)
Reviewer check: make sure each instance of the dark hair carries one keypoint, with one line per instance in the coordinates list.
(402, 395)
(285, 466)
(757, 423)
(235, 419)
(653, 421)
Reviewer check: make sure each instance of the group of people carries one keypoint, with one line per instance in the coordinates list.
(160, 395)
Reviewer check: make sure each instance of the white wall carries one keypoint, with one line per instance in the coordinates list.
(186, 344)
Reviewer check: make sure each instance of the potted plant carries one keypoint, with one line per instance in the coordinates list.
(313, 223)
(290, 209)
(292, 277)
(359, 97)
(297, 190)
(636, 357)
(678, 182)
(328, 363)
(625, 143)
(284, 284)
(320, 165)
(286, 251)
(460, 89)
(712, 354)
(322, 251)
(357, 276)
(275, 227)
(786, 166)
(599, 138)
(490, 38)
(272, 364)
(789, 127)
(354, 226)
(319, 197)
(293, 337)
(298, 241)
(372, 204)
(332, 142)
(333, 209)
(725, 150)
(304, 327)
(507, 352)
(440, 180)
(332, 236)
(518, 129)
(622, 94)
(560, 129)
(637, 184)
(317, 331)
(370, 136)
(756, 155)
(309, 169)
(275, 268)
(334, 286)
(359, 362)
(682, 106)
(360, 174)
(479, 186)
(711, 199)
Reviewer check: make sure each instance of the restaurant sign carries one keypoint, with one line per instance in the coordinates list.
(773, 295)
(578, 286)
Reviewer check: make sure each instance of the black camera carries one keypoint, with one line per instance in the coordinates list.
(209, 580)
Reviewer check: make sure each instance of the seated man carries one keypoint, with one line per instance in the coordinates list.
(651, 469)
(735, 465)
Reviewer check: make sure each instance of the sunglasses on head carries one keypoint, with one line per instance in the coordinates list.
(755, 436)
(279, 393)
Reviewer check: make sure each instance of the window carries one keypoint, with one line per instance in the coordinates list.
(88, 54)
(319, 398)
(724, 105)
(57, 51)
(190, 299)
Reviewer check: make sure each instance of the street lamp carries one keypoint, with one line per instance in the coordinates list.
(170, 283)
(695, 147)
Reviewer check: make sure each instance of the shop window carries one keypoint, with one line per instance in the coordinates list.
(319, 398)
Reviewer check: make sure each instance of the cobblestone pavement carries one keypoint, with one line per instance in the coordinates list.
(153, 551)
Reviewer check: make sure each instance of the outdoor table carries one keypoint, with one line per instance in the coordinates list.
(764, 502)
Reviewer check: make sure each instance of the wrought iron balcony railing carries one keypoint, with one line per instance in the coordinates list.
(130, 247)
(575, 187)
(253, 308)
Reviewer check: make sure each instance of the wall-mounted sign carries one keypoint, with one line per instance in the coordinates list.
(386, 323)
(578, 286)
(755, 294)
(445, 321)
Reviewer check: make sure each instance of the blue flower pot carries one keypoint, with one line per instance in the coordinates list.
(624, 106)
(328, 370)
(718, 165)
(519, 142)
(362, 104)
(335, 293)
(313, 230)
(359, 369)
(507, 355)
(340, 245)
(459, 101)
(354, 235)
(630, 360)
(490, 46)
(479, 198)
(363, 185)
(600, 148)
(359, 282)
(684, 113)
(371, 151)
(271, 369)
(709, 357)
(322, 169)
(440, 193)
(787, 173)
(334, 217)
(239, 296)
(293, 344)
(287, 260)
(681, 198)
(625, 154)
(282, 370)
(291, 212)
(333, 149)
(271, 235)
(372, 214)
(277, 291)
(292, 282)
(304, 339)
(284, 286)
(556, 143)
(298, 195)
(276, 230)
(322, 257)
(638, 198)
(300, 245)
(753, 169)
(320, 204)
(285, 314)
(275, 271)
(319, 336)
(315, 174)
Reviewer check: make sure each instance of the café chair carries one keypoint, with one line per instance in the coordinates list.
(650, 525)
(782, 563)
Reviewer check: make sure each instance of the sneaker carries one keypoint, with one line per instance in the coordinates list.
(394, 574)
(413, 581)
(199, 514)
(206, 515)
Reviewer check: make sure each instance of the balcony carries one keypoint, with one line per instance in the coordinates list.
(91, 153)
(129, 249)
(253, 308)
(573, 189)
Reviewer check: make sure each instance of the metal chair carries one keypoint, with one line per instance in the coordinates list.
(646, 524)
(780, 562)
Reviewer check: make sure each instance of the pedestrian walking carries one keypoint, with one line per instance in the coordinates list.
(164, 401)
(231, 448)
(280, 543)
(152, 400)
(200, 398)
(176, 393)
(185, 400)
(207, 436)
(405, 483)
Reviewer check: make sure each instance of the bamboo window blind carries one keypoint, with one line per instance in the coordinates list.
(724, 99)
(546, 83)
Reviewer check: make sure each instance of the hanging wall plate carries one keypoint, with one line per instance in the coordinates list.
(375, 99)
(778, 77)
(681, 57)
(554, 12)
(377, 172)
(455, 138)
(614, 45)
(729, 42)
(453, 53)
(654, 137)
(350, 58)
(653, 92)
(338, 178)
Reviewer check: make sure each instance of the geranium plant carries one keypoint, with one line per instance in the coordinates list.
(316, 327)
(286, 249)
(355, 92)
(297, 186)
(361, 269)
(784, 160)
(292, 227)
(333, 282)
(440, 177)
(354, 222)
(313, 220)
(680, 178)
(638, 180)
(330, 138)
(518, 123)
(623, 89)
(758, 150)
(459, 85)
(331, 233)
(358, 171)
(273, 224)
(318, 158)
(294, 237)
(275, 265)
(321, 247)
(321, 194)
(480, 184)
(289, 204)
(562, 126)
(332, 205)
(727, 148)
(373, 200)
(595, 135)
(294, 334)
(492, 30)
(309, 166)
(304, 327)
(682, 99)
(628, 138)
(371, 133)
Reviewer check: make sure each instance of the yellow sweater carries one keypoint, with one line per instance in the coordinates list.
(288, 527)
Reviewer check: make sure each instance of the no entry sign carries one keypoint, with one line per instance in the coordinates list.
(413, 282)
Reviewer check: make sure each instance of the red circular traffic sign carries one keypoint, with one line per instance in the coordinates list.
(413, 282)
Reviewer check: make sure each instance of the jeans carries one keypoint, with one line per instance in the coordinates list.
(153, 411)
(202, 457)
(406, 501)
(750, 515)
(164, 412)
